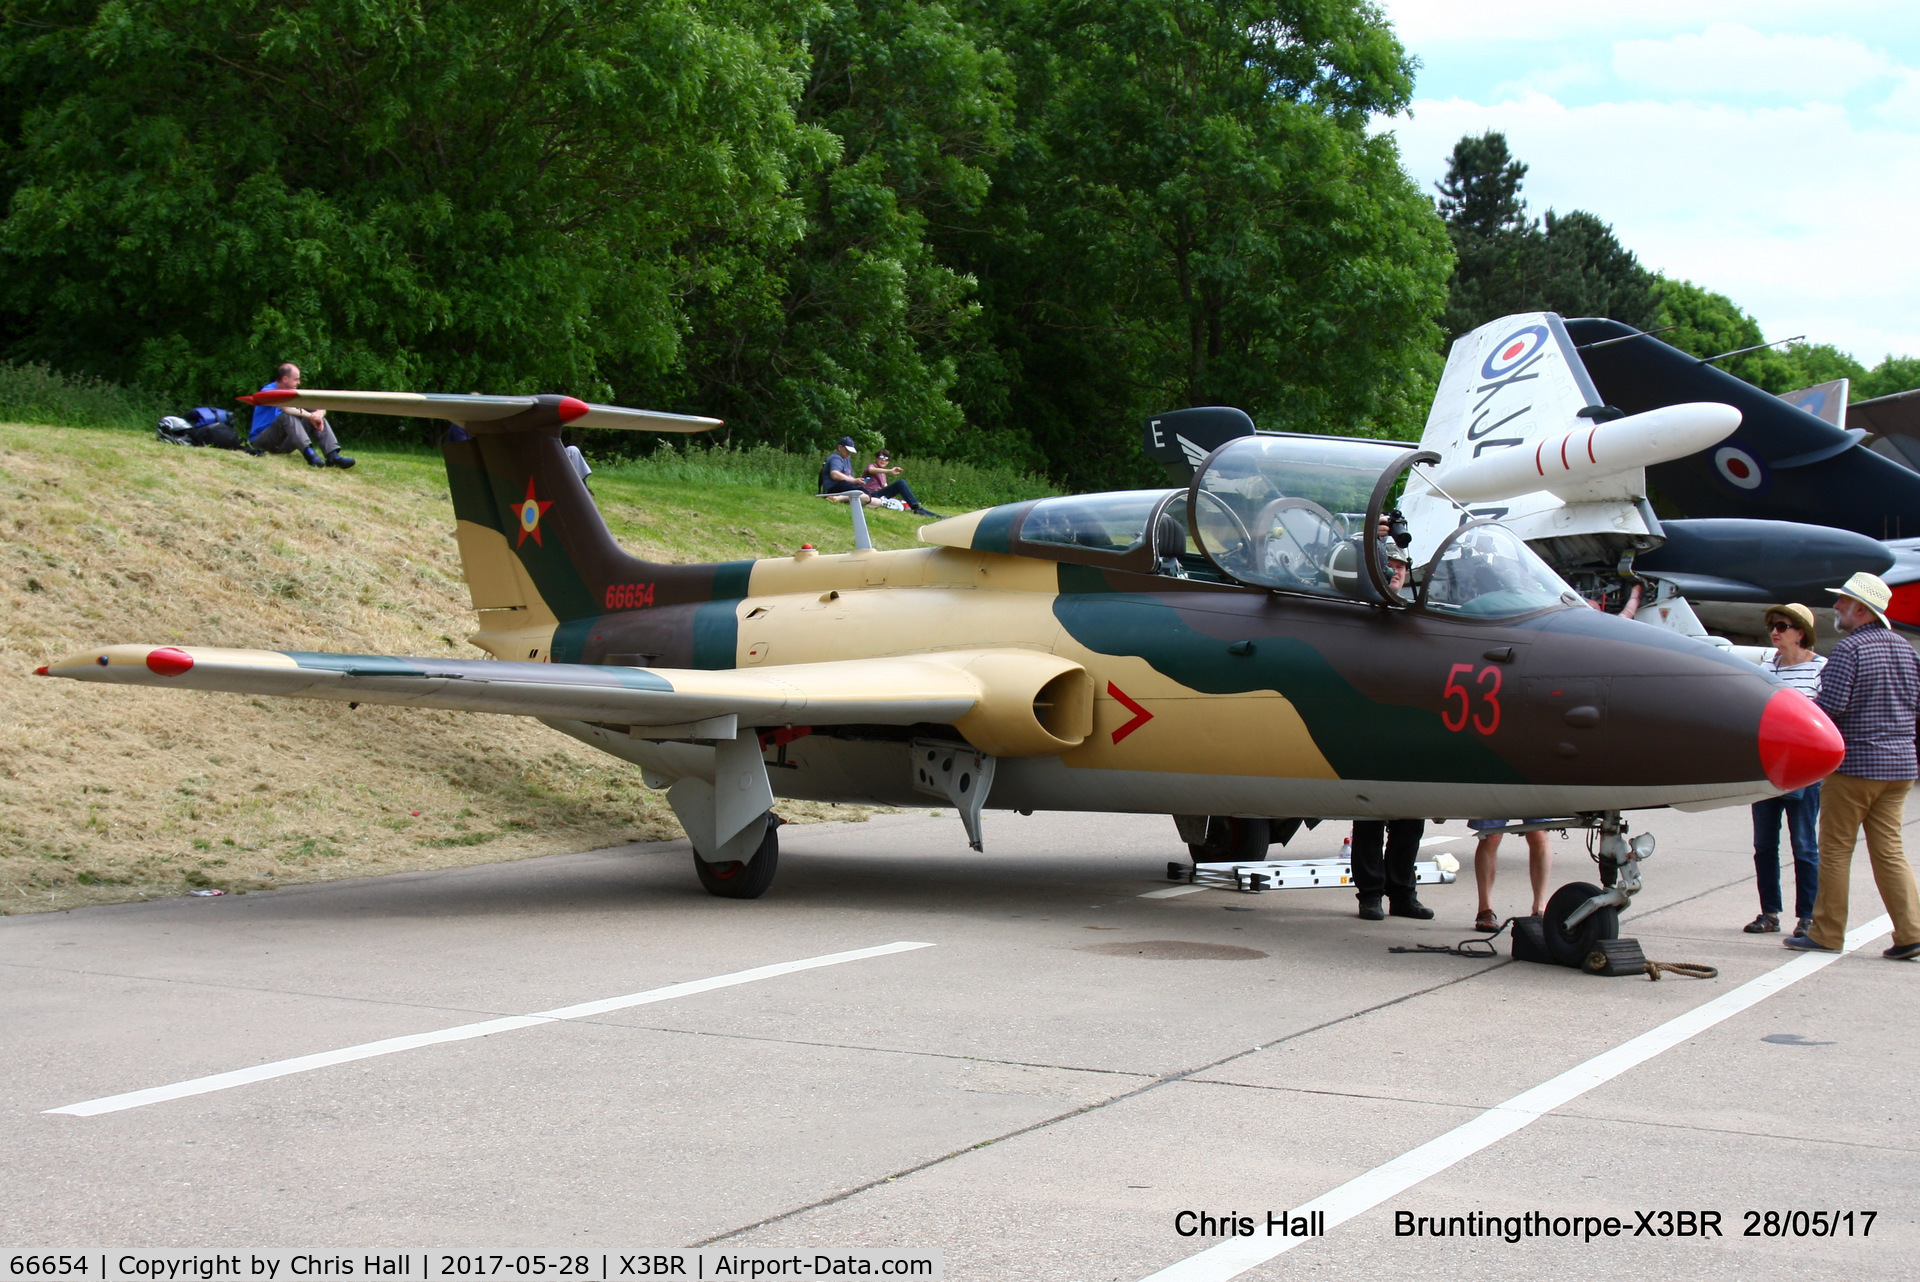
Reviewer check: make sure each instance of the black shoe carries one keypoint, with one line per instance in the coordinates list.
(1902, 952)
(927, 512)
(1411, 907)
(339, 460)
(1370, 910)
(312, 456)
(1765, 924)
(1800, 928)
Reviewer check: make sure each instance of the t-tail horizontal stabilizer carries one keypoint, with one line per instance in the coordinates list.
(538, 559)
(486, 413)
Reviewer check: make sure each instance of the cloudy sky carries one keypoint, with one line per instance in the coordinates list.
(1766, 150)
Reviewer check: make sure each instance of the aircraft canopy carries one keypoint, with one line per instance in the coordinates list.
(1272, 510)
(1487, 572)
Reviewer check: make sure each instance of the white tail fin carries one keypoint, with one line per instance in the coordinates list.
(1514, 392)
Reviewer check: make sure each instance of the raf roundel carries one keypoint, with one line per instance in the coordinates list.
(1741, 469)
(1512, 351)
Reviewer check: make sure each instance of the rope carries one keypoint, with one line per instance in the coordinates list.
(1481, 947)
(1688, 969)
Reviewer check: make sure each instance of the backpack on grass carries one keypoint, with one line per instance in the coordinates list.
(200, 426)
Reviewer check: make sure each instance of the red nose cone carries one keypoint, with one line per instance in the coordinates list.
(570, 409)
(169, 662)
(1798, 745)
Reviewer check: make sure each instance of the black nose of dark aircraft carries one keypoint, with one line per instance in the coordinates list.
(1677, 714)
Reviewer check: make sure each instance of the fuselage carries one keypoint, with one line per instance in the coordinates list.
(1216, 698)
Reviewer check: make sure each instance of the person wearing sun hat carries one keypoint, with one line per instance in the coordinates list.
(1871, 689)
(1797, 667)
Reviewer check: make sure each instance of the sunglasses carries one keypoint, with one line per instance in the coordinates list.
(1778, 626)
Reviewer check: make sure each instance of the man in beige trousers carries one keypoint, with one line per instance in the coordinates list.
(1871, 689)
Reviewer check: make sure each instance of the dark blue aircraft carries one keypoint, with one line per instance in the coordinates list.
(1782, 464)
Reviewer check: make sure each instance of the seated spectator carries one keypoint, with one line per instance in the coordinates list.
(879, 473)
(837, 477)
(282, 429)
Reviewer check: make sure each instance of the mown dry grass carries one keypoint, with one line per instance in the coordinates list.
(114, 794)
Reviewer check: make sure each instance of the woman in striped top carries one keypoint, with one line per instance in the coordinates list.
(1791, 627)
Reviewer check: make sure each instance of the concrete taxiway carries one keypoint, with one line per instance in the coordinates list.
(1040, 1093)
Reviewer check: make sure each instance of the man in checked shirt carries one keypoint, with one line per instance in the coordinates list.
(1871, 689)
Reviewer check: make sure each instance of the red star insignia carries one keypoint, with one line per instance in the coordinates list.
(530, 510)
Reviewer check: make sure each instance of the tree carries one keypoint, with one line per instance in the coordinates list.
(1491, 233)
(1508, 263)
(1894, 374)
(509, 194)
(1582, 270)
(1193, 212)
(857, 325)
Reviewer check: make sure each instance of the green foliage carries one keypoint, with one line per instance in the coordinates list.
(40, 394)
(1584, 271)
(501, 193)
(854, 330)
(1488, 225)
(1799, 365)
(1703, 323)
(1708, 324)
(1894, 374)
(1192, 212)
(1001, 230)
(1508, 263)
(958, 486)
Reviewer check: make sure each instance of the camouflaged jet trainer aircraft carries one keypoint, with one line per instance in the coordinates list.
(1235, 654)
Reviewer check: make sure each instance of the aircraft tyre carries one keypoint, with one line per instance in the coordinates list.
(736, 880)
(1570, 947)
(1232, 840)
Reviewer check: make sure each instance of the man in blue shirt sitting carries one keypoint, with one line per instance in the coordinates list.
(282, 429)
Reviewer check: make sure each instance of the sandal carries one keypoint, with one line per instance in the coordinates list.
(1488, 921)
(1764, 924)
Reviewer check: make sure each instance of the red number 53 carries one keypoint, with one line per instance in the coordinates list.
(1455, 717)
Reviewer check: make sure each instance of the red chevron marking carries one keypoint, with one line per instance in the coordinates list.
(1140, 715)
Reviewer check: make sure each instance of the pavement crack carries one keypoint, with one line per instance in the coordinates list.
(870, 1050)
(1728, 1130)
(1711, 890)
(1146, 1087)
(484, 1012)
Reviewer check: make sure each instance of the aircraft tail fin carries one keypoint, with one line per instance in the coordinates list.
(535, 551)
(1522, 427)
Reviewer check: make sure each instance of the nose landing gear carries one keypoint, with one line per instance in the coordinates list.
(1581, 915)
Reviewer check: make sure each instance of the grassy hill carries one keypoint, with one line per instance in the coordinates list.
(110, 794)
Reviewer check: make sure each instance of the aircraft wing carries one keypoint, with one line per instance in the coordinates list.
(471, 410)
(936, 689)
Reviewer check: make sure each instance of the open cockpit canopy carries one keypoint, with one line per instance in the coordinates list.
(1288, 513)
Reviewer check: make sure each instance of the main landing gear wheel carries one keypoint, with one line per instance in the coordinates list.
(1232, 840)
(749, 880)
(1570, 947)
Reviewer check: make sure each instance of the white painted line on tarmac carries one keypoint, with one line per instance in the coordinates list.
(1171, 891)
(1236, 1255)
(463, 1032)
